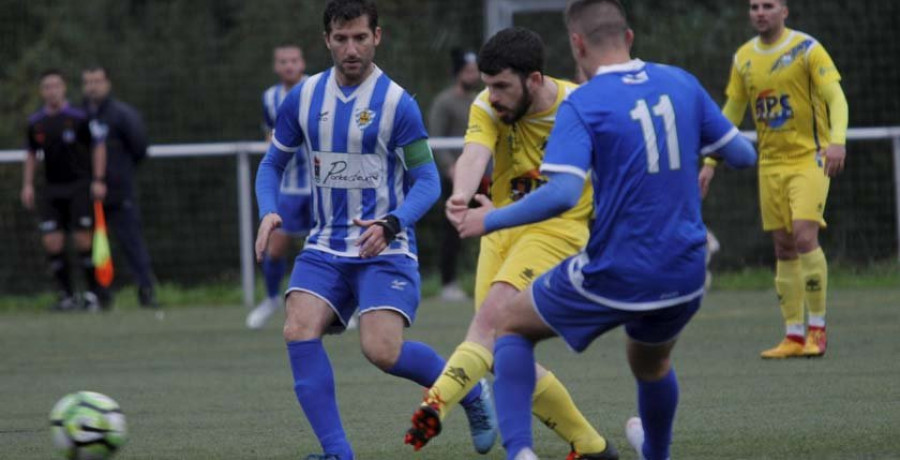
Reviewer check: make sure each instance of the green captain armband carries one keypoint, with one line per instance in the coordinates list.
(417, 154)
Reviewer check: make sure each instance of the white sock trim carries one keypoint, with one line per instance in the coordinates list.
(795, 329)
(817, 321)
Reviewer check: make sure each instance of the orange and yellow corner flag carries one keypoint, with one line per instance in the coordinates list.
(101, 255)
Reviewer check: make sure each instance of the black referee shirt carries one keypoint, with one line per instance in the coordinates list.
(65, 138)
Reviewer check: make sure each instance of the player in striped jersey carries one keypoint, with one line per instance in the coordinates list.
(294, 195)
(373, 177)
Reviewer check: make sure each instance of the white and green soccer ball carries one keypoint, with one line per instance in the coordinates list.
(87, 426)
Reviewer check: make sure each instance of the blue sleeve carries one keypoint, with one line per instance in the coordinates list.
(408, 124)
(738, 153)
(267, 120)
(268, 179)
(288, 136)
(286, 140)
(559, 194)
(570, 145)
(425, 191)
(715, 129)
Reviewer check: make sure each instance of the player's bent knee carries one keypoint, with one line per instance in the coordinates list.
(649, 362)
(382, 352)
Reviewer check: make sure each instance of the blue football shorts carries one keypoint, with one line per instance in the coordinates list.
(387, 282)
(579, 320)
(296, 213)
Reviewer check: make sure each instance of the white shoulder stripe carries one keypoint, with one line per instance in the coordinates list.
(481, 104)
(567, 169)
(715, 146)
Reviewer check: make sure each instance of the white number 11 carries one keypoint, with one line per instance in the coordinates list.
(665, 110)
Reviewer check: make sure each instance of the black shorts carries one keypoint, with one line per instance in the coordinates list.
(66, 207)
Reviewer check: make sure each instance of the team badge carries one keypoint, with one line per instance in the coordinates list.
(364, 118)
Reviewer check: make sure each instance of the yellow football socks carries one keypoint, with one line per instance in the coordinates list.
(553, 406)
(468, 364)
(815, 278)
(789, 286)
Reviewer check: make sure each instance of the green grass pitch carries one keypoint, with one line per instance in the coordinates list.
(198, 385)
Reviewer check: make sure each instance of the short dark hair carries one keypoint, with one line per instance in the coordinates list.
(341, 11)
(597, 20)
(288, 45)
(518, 49)
(50, 72)
(97, 68)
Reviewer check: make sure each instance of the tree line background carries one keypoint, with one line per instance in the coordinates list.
(196, 70)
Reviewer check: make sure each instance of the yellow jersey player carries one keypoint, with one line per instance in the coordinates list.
(510, 122)
(801, 120)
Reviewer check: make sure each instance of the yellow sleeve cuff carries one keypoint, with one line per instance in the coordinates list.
(710, 161)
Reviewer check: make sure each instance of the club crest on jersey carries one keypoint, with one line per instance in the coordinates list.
(773, 109)
(364, 118)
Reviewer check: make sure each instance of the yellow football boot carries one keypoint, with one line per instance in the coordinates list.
(816, 342)
(786, 349)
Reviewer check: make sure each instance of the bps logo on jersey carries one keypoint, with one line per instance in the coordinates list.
(364, 118)
(773, 109)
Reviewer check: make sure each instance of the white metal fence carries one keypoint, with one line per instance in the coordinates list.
(244, 150)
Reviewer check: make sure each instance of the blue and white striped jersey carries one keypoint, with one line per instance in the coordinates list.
(296, 176)
(355, 138)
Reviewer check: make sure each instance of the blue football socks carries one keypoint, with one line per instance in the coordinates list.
(314, 387)
(513, 387)
(273, 271)
(657, 402)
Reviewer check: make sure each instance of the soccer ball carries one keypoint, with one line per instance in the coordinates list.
(87, 426)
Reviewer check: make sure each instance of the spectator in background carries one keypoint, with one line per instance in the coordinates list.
(449, 117)
(126, 143)
(74, 168)
(294, 194)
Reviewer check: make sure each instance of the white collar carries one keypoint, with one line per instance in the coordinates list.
(630, 66)
(364, 85)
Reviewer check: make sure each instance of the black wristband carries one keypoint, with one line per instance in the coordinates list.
(391, 226)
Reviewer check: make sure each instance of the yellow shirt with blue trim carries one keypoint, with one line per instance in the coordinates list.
(781, 81)
(518, 150)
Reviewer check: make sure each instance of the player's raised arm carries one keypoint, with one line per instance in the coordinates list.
(720, 138)
(481, 136)
(566, 165)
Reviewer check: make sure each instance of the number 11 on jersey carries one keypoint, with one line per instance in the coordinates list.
(664, 109)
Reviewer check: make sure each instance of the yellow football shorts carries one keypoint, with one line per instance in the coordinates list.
(519, 255)
(789, 193)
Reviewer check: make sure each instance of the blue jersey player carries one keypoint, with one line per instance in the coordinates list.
(637, 130)
(294, 195)
(373, 177)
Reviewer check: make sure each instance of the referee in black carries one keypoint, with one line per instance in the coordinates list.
(74, 168)
(126, 145)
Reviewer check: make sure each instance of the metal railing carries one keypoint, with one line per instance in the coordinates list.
(243, 150)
